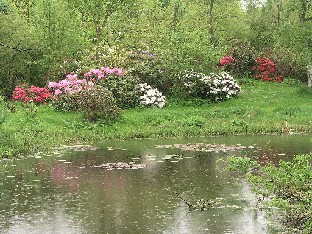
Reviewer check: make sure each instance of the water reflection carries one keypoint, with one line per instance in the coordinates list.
(70, 193)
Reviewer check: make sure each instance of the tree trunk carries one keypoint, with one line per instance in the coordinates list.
(211, 22)
(310, 76)
(176, 14)
(303, 13)
(98, 38)
(279, 12)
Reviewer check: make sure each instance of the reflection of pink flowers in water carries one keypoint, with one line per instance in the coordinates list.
(58, 172)
(62, 175)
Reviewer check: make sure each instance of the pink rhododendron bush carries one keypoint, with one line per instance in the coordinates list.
(112, 88)
(74, 94)
(97, 103)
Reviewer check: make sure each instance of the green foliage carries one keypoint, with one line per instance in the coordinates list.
(71, 65)
(288, 185)
(4, 7)
(17, 53)
(66, 102)
(43, 40)
(282, 24)
(124, 88)
(104, 55)
(287, 63)
(59, 30)
(245, 56)
(242, 164)
(35, 39)
(3, 110)
(98, 103)
(152, 69)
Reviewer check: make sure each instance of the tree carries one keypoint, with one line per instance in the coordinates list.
(17, 52)
(306, 11)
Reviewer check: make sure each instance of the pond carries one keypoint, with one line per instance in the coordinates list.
(141, 186)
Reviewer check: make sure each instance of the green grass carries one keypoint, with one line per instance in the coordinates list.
(262, 107)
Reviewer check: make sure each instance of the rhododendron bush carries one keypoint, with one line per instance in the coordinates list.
(151, 96)
(70, 85)
(262, 68)
(222, 86)
(266, 70)
(216, 87)
(31, 94)
(124, 87)
(67, 91)
(73, 84)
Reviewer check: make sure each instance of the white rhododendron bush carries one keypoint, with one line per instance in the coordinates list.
(216, 87)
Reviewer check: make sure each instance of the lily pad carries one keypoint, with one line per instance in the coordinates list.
(203, 147)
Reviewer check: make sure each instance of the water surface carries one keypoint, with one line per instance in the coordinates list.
(140, 186)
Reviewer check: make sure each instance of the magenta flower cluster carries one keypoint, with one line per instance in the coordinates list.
(72, 84)
(69, 85)
(98, 74)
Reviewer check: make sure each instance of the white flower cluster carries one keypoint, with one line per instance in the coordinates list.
(223, 86)
(190, 78)
(151, 96)
(216, 87)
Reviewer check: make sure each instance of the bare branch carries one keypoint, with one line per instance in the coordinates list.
(14, 48)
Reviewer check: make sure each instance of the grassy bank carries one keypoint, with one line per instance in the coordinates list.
(262, 107)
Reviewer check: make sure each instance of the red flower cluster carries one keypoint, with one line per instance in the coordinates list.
(266, 70)
(32, 94)
(226, 60)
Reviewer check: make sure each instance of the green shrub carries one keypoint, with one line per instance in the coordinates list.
(288, 185)
(124, 88)
(98, 103)
(287, 63)
(104, 55)
(66, 102)
(152, 69)
(4, 7)
(242, 164)
(245, 56)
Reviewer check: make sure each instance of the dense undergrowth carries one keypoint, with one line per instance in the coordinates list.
(287, 186)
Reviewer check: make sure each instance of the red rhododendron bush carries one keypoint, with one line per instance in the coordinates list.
(262, 68)
(31, 94)
(71, 84)
(269, 64)
(266, 70)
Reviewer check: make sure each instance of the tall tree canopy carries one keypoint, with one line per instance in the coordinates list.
(36, 36)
